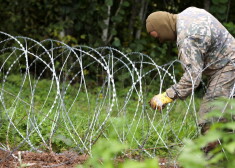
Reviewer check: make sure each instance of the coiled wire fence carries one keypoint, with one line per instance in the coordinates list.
(55, 97)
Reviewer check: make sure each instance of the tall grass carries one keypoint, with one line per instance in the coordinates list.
(151, 132)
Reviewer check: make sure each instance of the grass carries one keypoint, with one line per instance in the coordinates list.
(81, 119)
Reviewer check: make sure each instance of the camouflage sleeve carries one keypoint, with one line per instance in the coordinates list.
(191, 54)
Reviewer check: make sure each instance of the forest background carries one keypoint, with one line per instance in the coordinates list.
(95, 23)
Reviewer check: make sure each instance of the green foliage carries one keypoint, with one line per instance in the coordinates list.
(231, 27)
(82, 23)
(126, 124)
(222, 155)
(192, 156)
(148, 163)
(105, 154)
(219, 9)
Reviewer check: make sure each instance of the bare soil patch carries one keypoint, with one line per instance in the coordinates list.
(39, 160)
(62, 160)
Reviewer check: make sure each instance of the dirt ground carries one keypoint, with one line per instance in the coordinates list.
(62, 160)
(39, 160)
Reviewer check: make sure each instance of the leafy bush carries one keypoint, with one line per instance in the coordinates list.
(223, 154)
(108, 153)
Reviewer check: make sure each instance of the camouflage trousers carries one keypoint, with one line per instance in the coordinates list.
(220, 84)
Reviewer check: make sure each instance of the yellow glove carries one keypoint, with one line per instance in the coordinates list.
(159, 101)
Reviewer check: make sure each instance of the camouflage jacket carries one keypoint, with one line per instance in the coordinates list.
(204, 45)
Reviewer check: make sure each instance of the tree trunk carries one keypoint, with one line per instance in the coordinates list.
(228, 10)
(106, 29)
(132, 18)
(207, 4)
(142, 15)
(114, 24)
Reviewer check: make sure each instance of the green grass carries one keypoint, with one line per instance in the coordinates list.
(136, 124)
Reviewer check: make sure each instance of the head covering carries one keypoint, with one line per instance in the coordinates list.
(164, 23)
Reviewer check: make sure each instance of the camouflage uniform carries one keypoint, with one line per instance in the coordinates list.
(205, 47)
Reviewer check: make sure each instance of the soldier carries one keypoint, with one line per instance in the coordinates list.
(205, 48)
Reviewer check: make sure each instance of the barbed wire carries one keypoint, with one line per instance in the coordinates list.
(49, 100)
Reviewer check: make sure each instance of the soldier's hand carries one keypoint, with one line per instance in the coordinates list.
(159, 101)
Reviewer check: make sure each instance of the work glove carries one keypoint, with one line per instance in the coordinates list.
(159, 101)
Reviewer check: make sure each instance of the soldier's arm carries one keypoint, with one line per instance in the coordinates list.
(191, 54)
